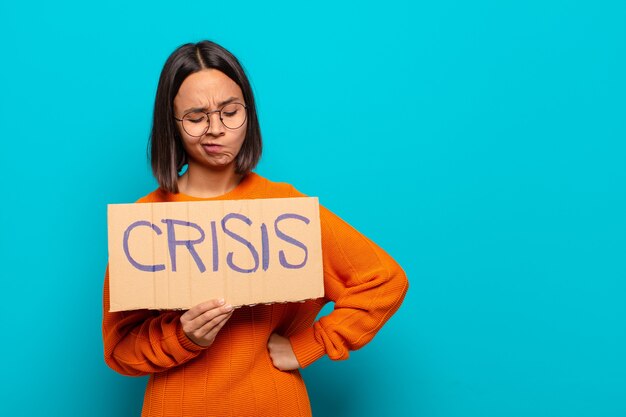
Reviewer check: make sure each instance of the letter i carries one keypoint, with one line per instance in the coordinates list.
(215, 249)
(265, 247)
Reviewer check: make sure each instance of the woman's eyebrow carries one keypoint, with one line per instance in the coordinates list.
(220, 104)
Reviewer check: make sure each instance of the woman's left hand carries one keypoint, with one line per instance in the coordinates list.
(281, 353)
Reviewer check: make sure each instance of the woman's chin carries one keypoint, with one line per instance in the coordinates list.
(216, 164)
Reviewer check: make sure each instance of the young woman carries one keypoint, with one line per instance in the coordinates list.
(213, 360)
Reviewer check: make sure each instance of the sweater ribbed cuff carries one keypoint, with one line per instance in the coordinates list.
(306, 348)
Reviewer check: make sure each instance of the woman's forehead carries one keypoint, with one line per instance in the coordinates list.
(206, 88)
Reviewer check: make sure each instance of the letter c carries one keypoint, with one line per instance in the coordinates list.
(147, 268)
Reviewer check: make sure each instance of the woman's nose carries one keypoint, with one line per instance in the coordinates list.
(216, 127)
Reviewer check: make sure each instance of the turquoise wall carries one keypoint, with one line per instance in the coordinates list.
(481, 143)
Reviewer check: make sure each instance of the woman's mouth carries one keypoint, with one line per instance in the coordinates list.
(211, 147)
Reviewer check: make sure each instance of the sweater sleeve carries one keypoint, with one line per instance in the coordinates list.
(366, 285)
(141, 342)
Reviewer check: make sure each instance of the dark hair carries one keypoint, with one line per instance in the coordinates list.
(165, 147)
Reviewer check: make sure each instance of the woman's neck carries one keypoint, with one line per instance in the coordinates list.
(200, 182)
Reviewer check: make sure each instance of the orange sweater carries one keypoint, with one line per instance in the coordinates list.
(235, 375)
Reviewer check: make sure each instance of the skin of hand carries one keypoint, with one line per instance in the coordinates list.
(202, 322)
(281, 352)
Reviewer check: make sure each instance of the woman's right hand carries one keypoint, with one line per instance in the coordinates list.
(202, 322)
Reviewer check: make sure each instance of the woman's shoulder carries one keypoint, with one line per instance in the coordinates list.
(156, 196)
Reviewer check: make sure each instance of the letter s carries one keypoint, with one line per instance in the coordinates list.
(245, 242)
(289, 239)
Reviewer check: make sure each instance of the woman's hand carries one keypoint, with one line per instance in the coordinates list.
(281, 353)
(202, 322)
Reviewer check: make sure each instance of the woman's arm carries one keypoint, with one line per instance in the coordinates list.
(366, 285)
(141, 342)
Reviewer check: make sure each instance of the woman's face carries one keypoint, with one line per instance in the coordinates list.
(209, 90)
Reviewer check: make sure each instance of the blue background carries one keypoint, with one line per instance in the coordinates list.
(481, 143)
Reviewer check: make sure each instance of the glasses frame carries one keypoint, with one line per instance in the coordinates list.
(208, 118)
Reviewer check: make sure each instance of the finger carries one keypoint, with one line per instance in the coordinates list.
(210, 330)
(209, 315)
(206, 328)
(275, 342)
(208, 318)
(201, 308)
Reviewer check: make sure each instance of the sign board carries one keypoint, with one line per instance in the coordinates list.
(176, 255)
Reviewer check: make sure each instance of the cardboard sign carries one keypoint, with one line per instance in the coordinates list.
(176, 255)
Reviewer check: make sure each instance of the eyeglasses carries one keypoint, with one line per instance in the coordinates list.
(196, 123)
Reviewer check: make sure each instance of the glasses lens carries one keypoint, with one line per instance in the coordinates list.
(233, 115)
(195, 123)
